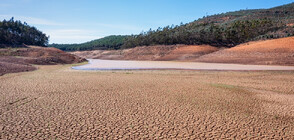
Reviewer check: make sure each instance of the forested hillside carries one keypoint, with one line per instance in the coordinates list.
(14, 33)
(106, 43)
(225, 30)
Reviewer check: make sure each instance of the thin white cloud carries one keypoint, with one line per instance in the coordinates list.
(31, 20)
(77, 38)
(119, 26)
(71, 35)
(72, 39)
(69, 32)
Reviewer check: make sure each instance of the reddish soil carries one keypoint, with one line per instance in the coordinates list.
(269, 52)
(20, 59)
(159, 52)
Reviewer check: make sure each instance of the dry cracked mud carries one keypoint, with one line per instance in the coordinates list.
(56, 102)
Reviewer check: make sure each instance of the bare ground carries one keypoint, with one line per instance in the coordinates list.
(97, 64)
(268, 52)
(56, 102)
(6, 67)
(157, 53)
(21, 59)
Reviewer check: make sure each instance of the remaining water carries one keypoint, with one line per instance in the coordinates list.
(96, 64)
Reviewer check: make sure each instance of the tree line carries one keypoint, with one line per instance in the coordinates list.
(107, 43)
(220, 30)
(215, 34)
(17, 33)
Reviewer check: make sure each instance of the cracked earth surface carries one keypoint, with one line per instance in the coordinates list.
(56, 102)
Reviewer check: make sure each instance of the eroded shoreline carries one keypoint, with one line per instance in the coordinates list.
(97, 64)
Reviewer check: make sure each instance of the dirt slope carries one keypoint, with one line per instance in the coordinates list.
(159, 52)
(167, 53)
(11, 64)
(20, 59)
(41, 55)
(269, 52)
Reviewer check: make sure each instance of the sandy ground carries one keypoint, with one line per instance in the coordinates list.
(96, 64)
(56, 102)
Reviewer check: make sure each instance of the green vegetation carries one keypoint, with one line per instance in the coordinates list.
(226, 30)
(14, 33)
(214, 34)
(106, 43)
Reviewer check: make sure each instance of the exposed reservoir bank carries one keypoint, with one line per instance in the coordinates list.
(97, 64)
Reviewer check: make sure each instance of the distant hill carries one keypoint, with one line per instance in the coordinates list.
(221, 30)
(284, 14)
(106, 43)
(226, 29)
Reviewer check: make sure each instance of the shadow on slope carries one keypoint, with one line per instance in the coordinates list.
(21, 59)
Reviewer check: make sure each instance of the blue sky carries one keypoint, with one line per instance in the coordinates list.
(76, 21)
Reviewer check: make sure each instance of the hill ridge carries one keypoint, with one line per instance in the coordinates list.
(221, 30)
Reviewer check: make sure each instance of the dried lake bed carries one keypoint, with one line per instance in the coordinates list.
(97, 64)
(57, 102)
